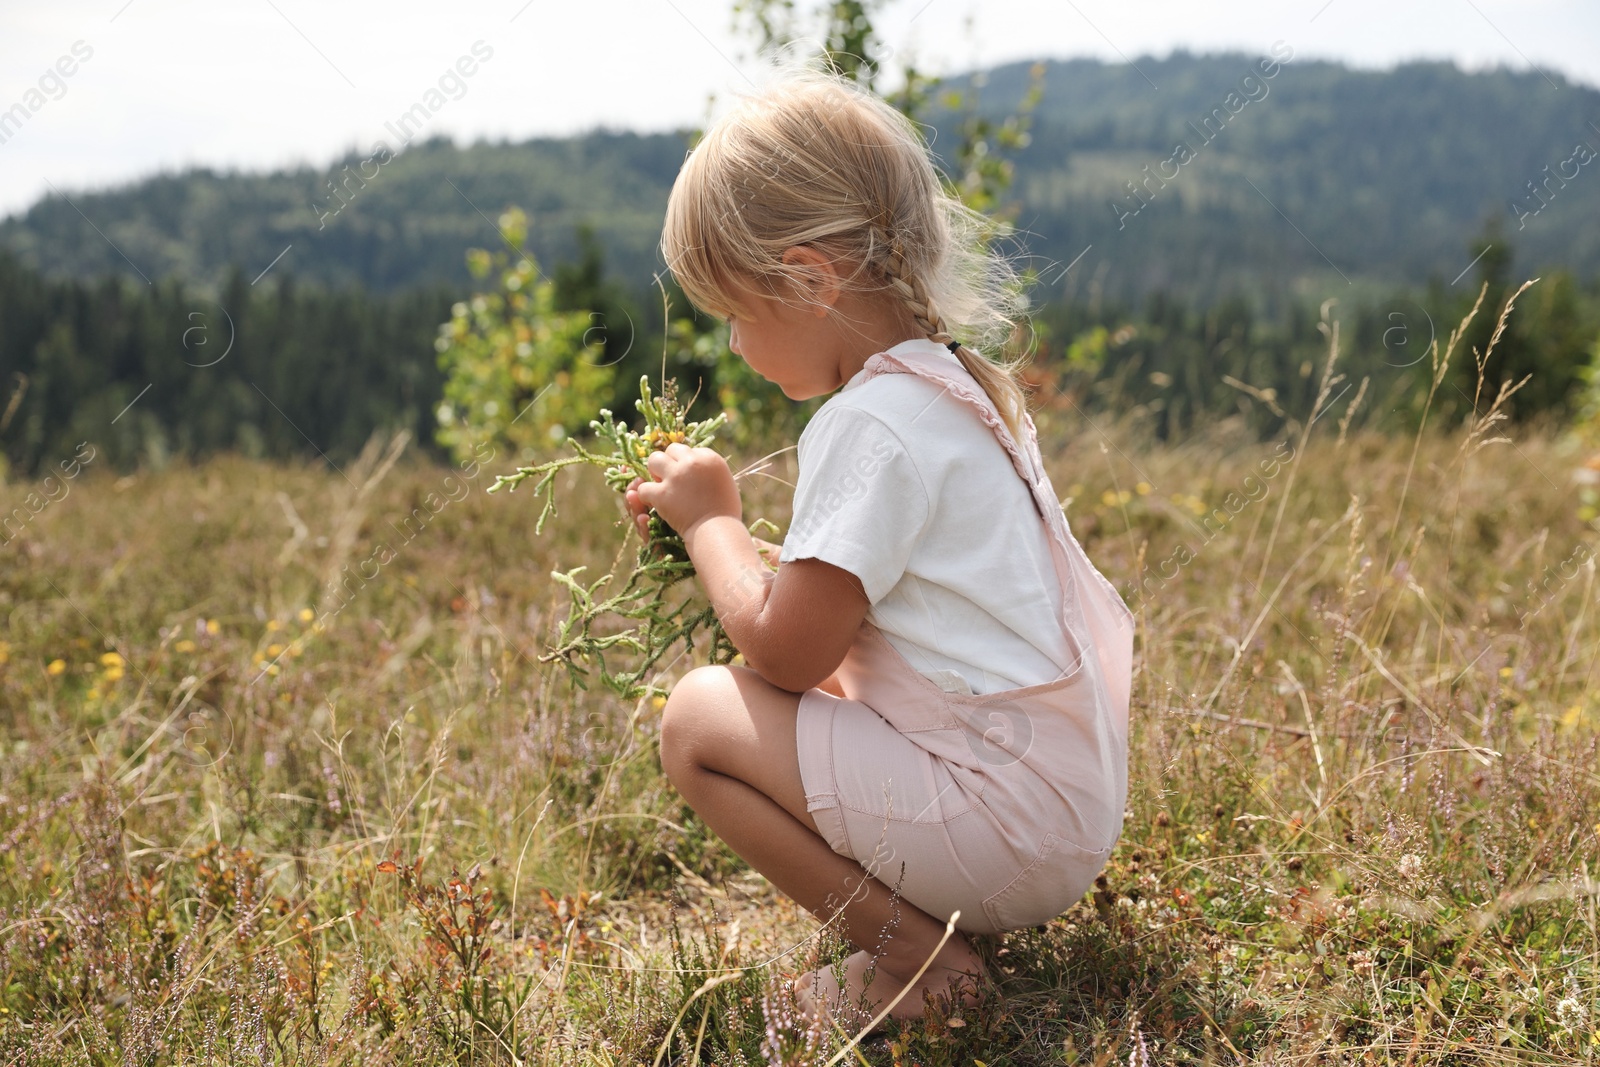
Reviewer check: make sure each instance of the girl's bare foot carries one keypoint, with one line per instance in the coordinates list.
(862, 995)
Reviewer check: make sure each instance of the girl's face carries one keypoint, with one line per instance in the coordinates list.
(789, 346)
(813, 343)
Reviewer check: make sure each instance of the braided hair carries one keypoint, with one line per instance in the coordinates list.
(812, 159)
(997, 380)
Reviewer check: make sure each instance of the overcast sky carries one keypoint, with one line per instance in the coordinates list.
(167, 84)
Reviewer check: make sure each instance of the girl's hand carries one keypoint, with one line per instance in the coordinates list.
(768, 551)
(691, 485)
(638, 509)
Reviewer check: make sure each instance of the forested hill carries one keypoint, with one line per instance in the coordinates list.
(1310, 176)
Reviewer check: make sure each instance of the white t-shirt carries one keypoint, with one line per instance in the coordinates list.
(905, 487)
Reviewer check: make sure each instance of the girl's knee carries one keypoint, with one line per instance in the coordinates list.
(691, 709)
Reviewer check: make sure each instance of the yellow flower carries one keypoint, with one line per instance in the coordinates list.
(111, 659)
(57, 666)
(658, 702)
(5, 652)
(273, 625)
(183, 646)
(213, 626)
(273, 650)
(1143, 488)
(113, 674)
(306, 614)
(1506, 672)
(94, 694)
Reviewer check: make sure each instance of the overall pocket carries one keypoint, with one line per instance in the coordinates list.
(1059, 875)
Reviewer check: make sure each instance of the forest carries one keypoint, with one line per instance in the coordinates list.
(294, 369)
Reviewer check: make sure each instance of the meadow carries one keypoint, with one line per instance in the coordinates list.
(283, 778)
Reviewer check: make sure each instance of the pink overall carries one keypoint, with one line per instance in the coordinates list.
(1003, 806)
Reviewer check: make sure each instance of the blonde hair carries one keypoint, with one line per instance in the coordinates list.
(811, 159)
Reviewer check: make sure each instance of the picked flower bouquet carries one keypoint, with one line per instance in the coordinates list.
(654, 624)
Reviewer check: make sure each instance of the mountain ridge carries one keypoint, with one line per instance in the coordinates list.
(1325, 176)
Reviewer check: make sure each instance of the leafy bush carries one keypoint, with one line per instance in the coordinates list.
(518, 372)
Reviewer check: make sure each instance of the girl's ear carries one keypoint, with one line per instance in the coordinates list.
(824, 288)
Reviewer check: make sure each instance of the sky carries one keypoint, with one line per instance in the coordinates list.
(96, 93)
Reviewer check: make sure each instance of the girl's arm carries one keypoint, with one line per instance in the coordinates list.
(794, 626)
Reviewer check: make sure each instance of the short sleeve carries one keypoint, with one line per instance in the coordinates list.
(860, 503)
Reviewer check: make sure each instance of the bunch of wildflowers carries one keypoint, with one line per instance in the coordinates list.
(654, 625)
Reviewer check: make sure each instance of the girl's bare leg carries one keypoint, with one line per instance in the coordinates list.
(728, 745)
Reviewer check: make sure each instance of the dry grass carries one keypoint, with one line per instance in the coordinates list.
(1364, 818)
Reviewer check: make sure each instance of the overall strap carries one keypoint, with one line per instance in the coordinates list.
(961, 385)
(1095, 614)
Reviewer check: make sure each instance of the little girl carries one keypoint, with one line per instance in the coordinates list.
(932, 722)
